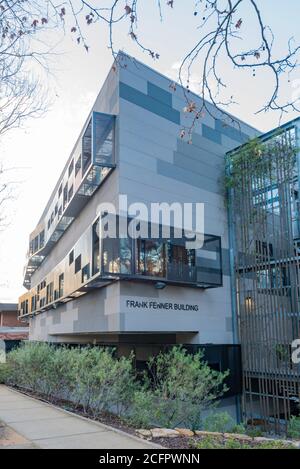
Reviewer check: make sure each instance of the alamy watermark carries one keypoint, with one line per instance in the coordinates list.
(154, 220)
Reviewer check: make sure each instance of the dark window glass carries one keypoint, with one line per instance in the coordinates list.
(96, 248)
(85, 274)
(71, 167)
(60, 190)
(151, 257)
(71, 257)
(78, 264)
(208, 262)
(181, 262)
(61, 285)
(49, 293)
(65, 196)
(42, 238)
(35, 244)
(117, 255)
(103, 136)
(87, 147)
(70, 194)
(78, 165)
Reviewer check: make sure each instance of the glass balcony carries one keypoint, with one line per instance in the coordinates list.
(94, 164)
(163, 259)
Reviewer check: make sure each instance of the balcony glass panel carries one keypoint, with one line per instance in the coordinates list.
(151, 257)
(96, 248)
(208, 262)
(103, 138)
(181, 262)
(87, 147)
(117, 256)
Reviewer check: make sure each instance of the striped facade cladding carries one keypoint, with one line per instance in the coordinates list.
(155, 105)
(159, 101)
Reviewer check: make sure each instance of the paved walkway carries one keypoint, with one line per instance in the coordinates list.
(29, 423)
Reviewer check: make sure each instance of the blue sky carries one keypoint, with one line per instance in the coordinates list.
(40, 149)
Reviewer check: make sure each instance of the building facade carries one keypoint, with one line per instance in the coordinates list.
(142, 294)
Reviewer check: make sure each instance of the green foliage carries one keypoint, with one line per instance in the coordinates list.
(210, 442)
(256, 159)
(219, 422)
(178, 387)
(89, 377)
(254, 432)
(181, 387)
(104, 382)
(4, 373)
(293, 430)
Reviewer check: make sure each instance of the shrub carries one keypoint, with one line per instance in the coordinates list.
(175, 392)
(219, 422)
(210, 442)
(222, 422)
(4, 373)
(181, 387)
(293, 430)
(104, 383)
(254, 432)
(29, 366)
(90, 377)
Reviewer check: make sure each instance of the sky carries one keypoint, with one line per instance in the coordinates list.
(35, 155)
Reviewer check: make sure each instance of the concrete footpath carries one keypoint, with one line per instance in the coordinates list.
(29, 423)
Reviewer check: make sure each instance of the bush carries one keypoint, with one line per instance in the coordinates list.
(4, 373)
(178, 387)
(214, 443)
(293, 430)
(104, 383)
(29, 366)
(222, 422)
(181, 387)
(90, 377)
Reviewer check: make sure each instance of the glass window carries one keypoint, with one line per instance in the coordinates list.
(61, 285)
(85, 273)
(117, 255)
(42, 238)
(151, 257)
(49, 293)
(103, 135)
(70, 194)
(71, 257)
(60, 190)
(78, 165)
(78, 264)
(87, 147)
(208, 262)
(71, 167)
(65, 196)
(96, 248)
(181, 262)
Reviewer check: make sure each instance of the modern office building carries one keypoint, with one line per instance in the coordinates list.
(265, 235)
(147, 293)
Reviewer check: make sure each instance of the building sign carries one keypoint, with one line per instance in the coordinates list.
(159, 305)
